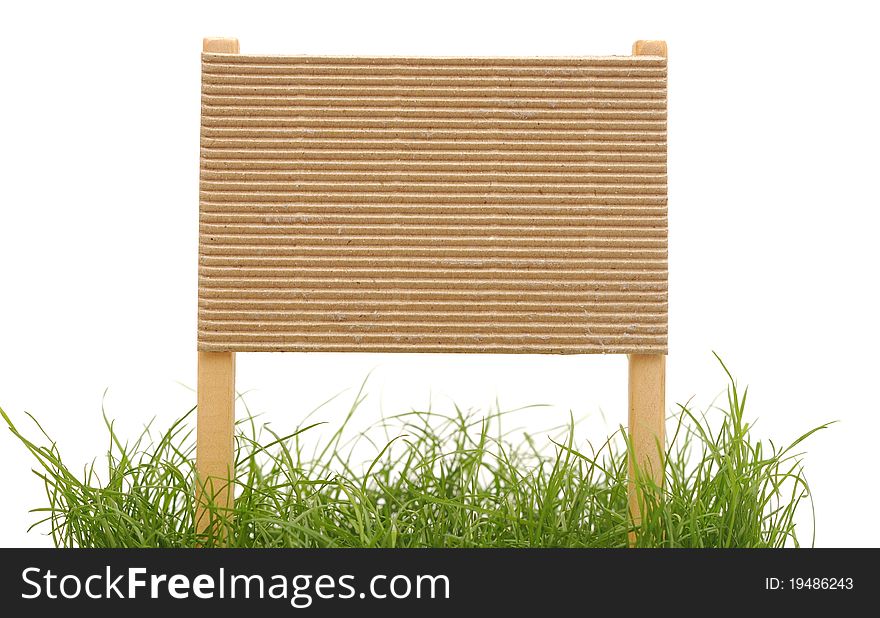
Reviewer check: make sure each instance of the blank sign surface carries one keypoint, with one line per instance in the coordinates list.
(433, 204)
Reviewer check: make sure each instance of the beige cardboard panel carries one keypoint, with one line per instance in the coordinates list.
(433, 204)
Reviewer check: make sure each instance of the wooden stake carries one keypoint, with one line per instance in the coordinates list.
(649, 48)
(647, 389)
(215, 45)
(214, 433)
(647, 422)
(215, 421)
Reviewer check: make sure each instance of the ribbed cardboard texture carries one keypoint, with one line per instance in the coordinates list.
(433, 204)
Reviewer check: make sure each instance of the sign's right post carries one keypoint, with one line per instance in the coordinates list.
(647, 392)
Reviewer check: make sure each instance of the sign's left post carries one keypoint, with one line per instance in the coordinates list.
(215, 463)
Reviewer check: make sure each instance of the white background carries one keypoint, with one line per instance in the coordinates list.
(773, 171)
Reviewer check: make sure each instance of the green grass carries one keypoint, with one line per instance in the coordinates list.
(433, 480)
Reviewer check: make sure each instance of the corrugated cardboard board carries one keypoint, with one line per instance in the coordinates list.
(433, 204)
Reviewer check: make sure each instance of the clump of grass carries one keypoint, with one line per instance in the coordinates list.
(722, 487)
(432, 480)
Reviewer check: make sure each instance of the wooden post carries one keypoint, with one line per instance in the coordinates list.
(647, 422)
(214, 433)
(645, 48)
(215, 45)
(215, 423)
(647, 388)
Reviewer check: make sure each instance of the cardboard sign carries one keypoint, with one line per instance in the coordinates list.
(433, 204)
